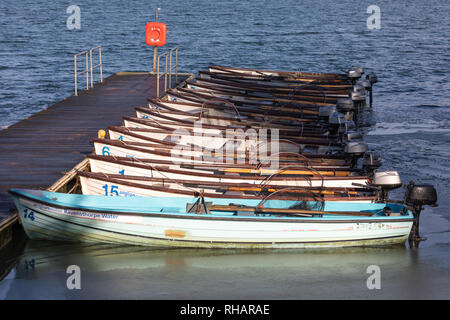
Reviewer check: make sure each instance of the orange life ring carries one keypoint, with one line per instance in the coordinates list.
(155, 34)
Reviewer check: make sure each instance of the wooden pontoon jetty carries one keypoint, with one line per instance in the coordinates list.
(36, 151)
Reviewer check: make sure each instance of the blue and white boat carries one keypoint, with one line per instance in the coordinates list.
(167, 221)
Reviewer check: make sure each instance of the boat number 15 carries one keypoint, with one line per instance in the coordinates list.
(113, 191)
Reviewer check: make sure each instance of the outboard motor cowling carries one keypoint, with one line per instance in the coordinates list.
(352, 136)
(359, 88)
(345, 105)
(347, 125)
(420, 194)
(358, 96)
(354, 74)
(326, 111)
(356, 149)
(336, 118)
(357, 68)
(365, 83)
(371, 161)
(387, 180)
(372, 77)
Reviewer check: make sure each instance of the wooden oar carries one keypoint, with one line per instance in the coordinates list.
(324, 192)
(286, 172)
(285, 211)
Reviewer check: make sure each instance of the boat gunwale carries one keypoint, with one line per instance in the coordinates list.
(107, 178)
(202, 216)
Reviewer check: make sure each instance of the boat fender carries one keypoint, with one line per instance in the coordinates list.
(101, 134)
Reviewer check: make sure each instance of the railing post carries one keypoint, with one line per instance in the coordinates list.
(87, 71)
(176, 65)
(165, 76)
(170, 68)
(157, 77)
(76, 74)
(90, 57)
(101, 63)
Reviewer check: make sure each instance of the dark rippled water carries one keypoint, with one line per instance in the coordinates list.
(409, 126)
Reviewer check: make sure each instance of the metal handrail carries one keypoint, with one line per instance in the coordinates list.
(82, 72)
(168, 70)
(99, 65)
(158, 76)
(89, 67)
(174, 67)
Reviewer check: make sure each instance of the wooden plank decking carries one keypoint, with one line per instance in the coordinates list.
(35, 151)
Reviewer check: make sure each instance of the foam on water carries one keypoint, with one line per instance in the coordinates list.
(395, 128)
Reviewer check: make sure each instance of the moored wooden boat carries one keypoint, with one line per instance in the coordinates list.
(178, 222)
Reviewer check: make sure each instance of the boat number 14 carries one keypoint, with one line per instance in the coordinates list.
(28, 214)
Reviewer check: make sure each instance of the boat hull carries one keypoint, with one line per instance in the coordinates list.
(52, 221)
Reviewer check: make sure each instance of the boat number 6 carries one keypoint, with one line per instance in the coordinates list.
(105, 151)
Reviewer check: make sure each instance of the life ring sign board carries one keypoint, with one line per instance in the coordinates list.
(155, 34)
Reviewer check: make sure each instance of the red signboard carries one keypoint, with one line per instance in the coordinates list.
(155, 34)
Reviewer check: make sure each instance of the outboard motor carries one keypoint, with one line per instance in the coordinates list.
(357, 68)
(366, 84)
(359, 88)
(326, 111)
(347, 107)
(359, 98)
(335, 119)
(372, 78)
(386, 181)
(416, 196)
(358, 95)
(354, 75)
(350, 136)
(371, 161)
(356, 149)
(347, 125)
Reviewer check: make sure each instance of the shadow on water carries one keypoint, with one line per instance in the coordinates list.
(132, 272)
